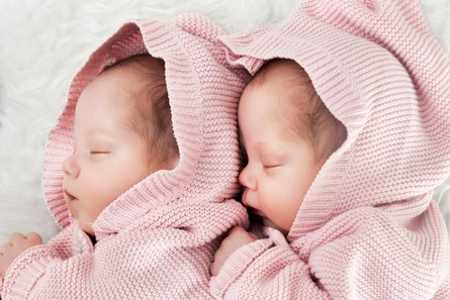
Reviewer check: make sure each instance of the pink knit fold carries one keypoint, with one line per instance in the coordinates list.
(156, 240)
(367, 227)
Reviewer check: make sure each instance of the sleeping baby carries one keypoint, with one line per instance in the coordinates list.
(287, 134)
(122, 133)
(138, 174)
(346, 133)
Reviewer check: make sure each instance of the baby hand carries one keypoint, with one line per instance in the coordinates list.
(237, 238)
(16, 245)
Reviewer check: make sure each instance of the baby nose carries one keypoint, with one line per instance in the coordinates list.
(246, 179)
(70, 167)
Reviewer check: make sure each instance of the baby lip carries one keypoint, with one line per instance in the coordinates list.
(244, 198)
(252, 209)
(257, 212)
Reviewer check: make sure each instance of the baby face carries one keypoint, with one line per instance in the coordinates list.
(281, 165)
(109, 156)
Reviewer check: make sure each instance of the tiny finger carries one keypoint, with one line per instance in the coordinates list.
(34, 237)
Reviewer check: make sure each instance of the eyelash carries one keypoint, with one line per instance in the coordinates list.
(244, 159)
(271, 166)
(99, 152)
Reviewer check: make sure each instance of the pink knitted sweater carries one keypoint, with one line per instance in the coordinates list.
(367, 227)
(155, 241)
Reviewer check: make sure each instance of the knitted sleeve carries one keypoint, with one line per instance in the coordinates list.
(265, 270)
(33, 262)
(124, 267)
(361, 254)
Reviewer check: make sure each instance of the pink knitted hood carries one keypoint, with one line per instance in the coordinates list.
(367, 223)
(204, 125)
(387, 81)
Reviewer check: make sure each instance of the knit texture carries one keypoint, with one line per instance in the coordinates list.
(367, 227)
(155, 241)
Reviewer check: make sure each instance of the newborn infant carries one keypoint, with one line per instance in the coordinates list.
(287, 134)
(137, 172)
(122, 134)
(346, 136)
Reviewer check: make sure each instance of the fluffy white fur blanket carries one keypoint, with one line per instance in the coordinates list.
(44, 42)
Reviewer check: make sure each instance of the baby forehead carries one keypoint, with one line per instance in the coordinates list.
(132, 73)
(283, 95)
(282, 80)
(112, 105)
(129, 79)
(280, 71)
(134, 78)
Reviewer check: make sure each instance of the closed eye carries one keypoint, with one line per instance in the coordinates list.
(272, 166)
(272, 159)
(99, 152)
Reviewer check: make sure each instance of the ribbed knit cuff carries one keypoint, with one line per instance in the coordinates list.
(24, 272)
(236, 265)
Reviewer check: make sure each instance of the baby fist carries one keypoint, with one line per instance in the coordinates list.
(16, 245)
(237, 238)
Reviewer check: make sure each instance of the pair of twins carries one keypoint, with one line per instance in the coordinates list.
(341, 113)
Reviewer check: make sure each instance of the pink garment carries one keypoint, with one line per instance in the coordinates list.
(155, 241)
(367, 227)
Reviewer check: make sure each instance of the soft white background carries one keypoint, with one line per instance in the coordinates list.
(42, 45)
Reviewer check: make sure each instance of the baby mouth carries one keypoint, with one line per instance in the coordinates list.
(257, 212)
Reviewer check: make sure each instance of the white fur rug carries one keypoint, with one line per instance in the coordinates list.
(42, 45)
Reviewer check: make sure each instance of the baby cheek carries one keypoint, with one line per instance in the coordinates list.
(271, 192)
(99, 193)
(95, 205)
(290, 194)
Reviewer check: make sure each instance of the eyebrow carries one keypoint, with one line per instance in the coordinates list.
(99, 133)
(263, 146)
(268, 150)
(260, 146)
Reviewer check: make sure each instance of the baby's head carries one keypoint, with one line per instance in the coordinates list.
(288, 134)
(122, 133)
